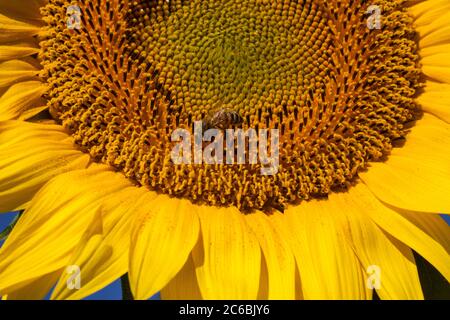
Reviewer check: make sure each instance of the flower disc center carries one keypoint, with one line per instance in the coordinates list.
(339, 92)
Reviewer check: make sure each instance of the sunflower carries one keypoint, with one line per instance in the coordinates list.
(92, 90)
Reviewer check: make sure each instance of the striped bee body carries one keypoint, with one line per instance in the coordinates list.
(222, 119)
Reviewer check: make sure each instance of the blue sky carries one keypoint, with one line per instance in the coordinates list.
(113, 291)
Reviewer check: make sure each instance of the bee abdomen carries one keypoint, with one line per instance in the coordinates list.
(223, 119)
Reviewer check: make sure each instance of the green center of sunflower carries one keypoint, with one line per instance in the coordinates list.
(248, 54)
(339, 92)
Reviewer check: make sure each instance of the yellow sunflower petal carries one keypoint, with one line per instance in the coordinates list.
(24, 9)
(424, 7)
(328, 266)
(19, 98)
(409, 184)
(440, 20)
(429, 133)
(263, 291)
(14, 71)
(431, 22)
(84, 252)
(418, 240)
(398, 278)
(30, 155)
(405, 230)
(184, 286)
(16, 52)
(436, 100)
(13, 30)
(161, 241)
(439, 73)
(437, 66)
(279, 259)
(438, 37)
(427, 12)
(36, 289)
(44, 237)
(30, 113)
(298, 287)
(433, 225)
(228, 260)
(102, 255)
(430, 51)
(416, 176)
(12, 132)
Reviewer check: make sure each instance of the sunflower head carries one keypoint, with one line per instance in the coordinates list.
(339, 93)
(91, 92)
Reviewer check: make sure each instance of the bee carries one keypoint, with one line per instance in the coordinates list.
(222, 118)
